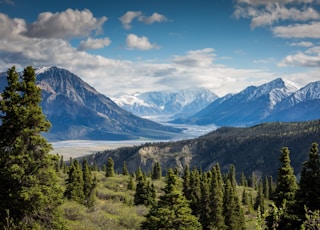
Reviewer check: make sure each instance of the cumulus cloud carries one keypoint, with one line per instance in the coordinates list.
(310, 30)
(155, 17)
(196, 58)
(140, 43)
(273, 13)
(10, 28)
(129, 16)
(92, 43)
(301, 59)
(65, 25)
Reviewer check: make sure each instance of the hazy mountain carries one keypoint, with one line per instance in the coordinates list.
(184, 102)
(255, 104)
(77, 111)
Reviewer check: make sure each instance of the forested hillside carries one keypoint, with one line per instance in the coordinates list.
(251, 149)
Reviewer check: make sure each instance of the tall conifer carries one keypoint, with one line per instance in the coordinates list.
(29, 193)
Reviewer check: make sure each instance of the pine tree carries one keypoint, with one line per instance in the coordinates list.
(309, 191)
(74, 183)
(284, 194)
(266, 188)
(156, 171)
(125, 171)
(286, 180)
(205, 211)
(172, 211)
(110, 168)
(29, 192)
(217, 199)
(233, 213)
(89, 184)
(145, 193)
(259, 203)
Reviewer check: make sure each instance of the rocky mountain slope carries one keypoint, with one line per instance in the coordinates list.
(254, 149)
(77, 111)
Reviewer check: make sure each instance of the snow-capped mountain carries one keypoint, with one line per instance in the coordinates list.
(304, 104)
(77, 111)
(253, 105)
(184, 102)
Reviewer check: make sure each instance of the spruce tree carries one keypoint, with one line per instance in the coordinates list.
(195, 192)
(309, 191)
(74, 183)
(172, 211)
(89, 184)
(286, 180)
(205, 211)
(29, 192)
(110, 168)
(125, 171)
(259, 203)
(284, 194)
(156, 171)
(217, 199)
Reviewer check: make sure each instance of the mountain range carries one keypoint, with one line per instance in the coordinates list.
(179, 103)
(77, 111)
(277, 100)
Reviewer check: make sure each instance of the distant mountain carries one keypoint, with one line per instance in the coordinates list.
(77, 111)
(277, 100)
(181, 103)
(302, 105)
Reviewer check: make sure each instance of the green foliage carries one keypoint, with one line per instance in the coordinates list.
(125, 169)
(286, 180)
(309, 191)
(145, 192)
(156, 173)
(172, 211)
(28, 182)
(75, 184)
(110, 168)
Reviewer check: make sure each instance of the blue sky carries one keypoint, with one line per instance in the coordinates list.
(126, 46)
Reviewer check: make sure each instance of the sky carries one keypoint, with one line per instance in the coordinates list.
(129, 46)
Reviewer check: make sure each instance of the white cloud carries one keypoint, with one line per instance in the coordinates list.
(196, 58)
(92, 43)
(140, 43)
(128, 17)
(155, 17)
(301, 59)
(301, 44)
(65, 25)
(273, 13)
(10, 28)
(311, 30)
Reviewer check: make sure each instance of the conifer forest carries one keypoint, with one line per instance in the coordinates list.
(39, 190)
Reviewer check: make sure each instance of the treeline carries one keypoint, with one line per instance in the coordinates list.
(199, 199)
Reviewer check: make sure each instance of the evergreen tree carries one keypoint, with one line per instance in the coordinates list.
(286, 180)
(131, 185)
(89, 184)
(233, 213)
(110, 168)
(205, 211)
(266, 188)
(74, 183)
(145, 193)
(125, 169)
(61, 165)
(259, 204)
(244, 181)
(156, 171)
(172, 211)
(217, 199)
(195, 192)
(309, 191)
(29, 192)
(232, 175)
(284, 194)
(186, 183)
